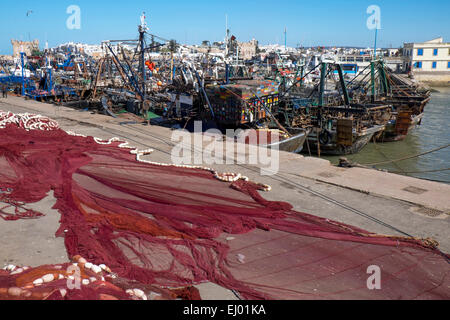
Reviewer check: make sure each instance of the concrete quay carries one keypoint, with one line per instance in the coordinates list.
(418, 207)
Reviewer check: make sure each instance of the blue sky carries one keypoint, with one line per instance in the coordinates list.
(310, 23)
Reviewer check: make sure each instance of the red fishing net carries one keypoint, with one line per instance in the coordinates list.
(172, 227)
(80, 281)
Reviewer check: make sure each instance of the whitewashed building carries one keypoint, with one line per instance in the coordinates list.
(428, 61)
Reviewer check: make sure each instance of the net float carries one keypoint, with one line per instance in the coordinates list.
(96, 269)
(10, 267)
(79, 260)
(155, 296)
(14, 291)
(82, 260)
(48, 278)
(26, 293)
(130, 292)
(17, 271)
(105, 267)
(139, 293)
(63, 292)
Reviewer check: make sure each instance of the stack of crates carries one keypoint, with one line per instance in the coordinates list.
(237, 104)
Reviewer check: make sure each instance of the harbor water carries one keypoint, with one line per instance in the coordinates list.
(433, 133)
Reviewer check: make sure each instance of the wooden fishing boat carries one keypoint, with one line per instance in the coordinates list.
(407, 98)
(339, 130)
(328, 142)
(339, 126)
(398, 128)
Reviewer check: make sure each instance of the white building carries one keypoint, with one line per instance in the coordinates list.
(429, 61)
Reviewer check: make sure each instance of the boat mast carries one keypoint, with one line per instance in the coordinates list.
(142, 30)
(343, 85)
(372, 63)
(22, 54)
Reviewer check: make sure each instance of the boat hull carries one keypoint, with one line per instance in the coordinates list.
(360, 140)
(293, 144)
(390, 134)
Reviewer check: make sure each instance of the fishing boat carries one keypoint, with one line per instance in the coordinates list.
(340, 130)
(249, 105)
(329, 142)
(337, 125)
(398, 128)
(407, 99)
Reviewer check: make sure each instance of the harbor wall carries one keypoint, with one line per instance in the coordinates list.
(434, 78)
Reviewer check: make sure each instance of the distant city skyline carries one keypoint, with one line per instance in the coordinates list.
(308, 23)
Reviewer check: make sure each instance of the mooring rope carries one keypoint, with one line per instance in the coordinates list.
(406, 158)
(425, 171)
(385, 156)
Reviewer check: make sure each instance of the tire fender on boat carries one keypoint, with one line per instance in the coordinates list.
(324, 137)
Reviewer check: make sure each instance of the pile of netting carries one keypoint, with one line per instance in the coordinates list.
(80, 280)
(170, 226)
